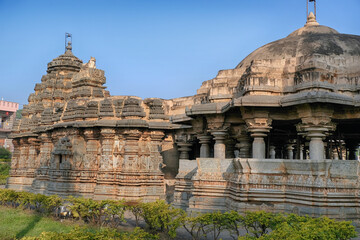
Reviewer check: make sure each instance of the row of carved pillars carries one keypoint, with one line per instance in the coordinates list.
(222, 148)
(258, 132)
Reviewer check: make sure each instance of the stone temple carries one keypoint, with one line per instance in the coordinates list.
(278, 132)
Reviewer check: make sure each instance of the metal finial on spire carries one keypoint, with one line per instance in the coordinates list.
(68, 41)
(307, 7)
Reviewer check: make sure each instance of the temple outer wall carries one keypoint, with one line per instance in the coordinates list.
(313, 187)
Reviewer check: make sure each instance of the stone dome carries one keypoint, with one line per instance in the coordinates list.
(66, 61)
(308, 40)
(311, 55)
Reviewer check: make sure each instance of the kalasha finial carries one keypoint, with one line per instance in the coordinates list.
(69, 47)
(68, 40)
(311, 20)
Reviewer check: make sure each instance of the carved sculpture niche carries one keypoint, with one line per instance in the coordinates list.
(62, 155)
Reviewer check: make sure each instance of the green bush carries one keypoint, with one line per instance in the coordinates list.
(135, 208)
(5, 159)
(162, 217)
(4, 153)
(106, 234)
(106, 212)
(296, 227)
(260, 223)
(4, 173)
(204, 226)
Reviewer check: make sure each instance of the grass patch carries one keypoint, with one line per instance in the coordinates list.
(17, 223)
(4, 173)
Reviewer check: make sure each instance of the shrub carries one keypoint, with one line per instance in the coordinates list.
(4, 173)
(260, 223)
(114, 212)
(4, 153)
(5, 160)
(212, 224)
(312, 229)
(135, 209)
(8, 197)
(296, 227)
(162, 217)
(82, 234)
(106, 212)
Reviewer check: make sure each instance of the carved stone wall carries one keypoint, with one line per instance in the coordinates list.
(316, 188)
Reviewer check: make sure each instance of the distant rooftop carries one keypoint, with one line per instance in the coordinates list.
(8, 106)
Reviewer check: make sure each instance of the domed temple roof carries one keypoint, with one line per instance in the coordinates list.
(311, 59)
(308, 40)
(66, 61)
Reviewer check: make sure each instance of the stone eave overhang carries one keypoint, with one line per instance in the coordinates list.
(124, 123)
(206, 108)
(321, 85)
(257, 101)
(293, 99)
(319, 97)
(177, 118)
(23, 134)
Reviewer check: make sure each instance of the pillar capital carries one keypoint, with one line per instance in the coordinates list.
(132, 134)
(204, 138)
(90, 134)
(107, 132)
(315, 133)
(157, 135)
(315, 125)
(184, 149)
(215, 122)
(219, 135)
(258, 126)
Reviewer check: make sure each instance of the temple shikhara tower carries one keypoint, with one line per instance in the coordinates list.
(279, 132)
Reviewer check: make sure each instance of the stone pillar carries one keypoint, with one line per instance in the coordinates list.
(155, 159)
(24, 153)
(33, 160)
(272, 152)
(131, 150)
(352, 154)
(92, 150)
(204, 148)
(352, 149)
(244, 146)
(301, 152)
(290, 153)
(229, 148)
(316, 145)
(219, 147)
(259, 128)
(45, 149)
(258, 146)
(16, 154)
(184, 149)
(107, 142)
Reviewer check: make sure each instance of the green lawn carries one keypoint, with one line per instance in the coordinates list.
(17, 223)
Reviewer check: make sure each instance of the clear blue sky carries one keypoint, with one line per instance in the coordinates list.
(149, 48)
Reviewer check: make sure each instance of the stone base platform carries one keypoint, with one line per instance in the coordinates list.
(316, 188)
